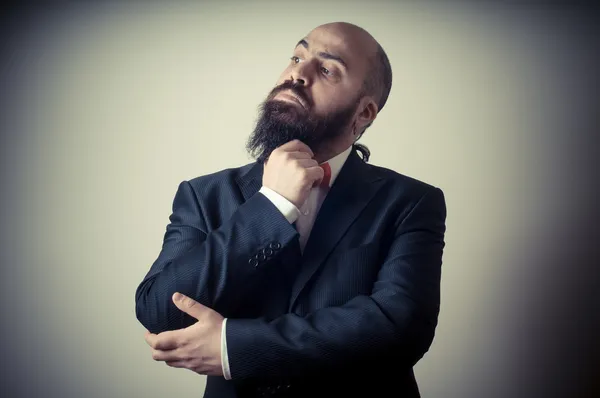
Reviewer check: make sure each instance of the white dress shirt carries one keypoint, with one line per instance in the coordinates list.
(304, 219)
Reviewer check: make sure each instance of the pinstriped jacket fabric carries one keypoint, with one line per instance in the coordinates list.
(349, 317)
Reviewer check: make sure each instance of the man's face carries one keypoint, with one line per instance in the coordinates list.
(317, 95)
(331, 69)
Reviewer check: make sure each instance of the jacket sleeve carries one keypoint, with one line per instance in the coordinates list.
(399, 316)
(217, 267)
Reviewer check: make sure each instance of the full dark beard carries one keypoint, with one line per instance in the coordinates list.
(280, 122)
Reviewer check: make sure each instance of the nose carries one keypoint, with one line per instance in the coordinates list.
(299, 81)
(301, 74)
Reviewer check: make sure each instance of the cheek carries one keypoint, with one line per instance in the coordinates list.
(329, 99)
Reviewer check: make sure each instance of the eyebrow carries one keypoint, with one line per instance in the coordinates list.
(325, 55)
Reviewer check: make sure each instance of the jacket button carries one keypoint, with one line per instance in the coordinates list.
(253, 262)
(268, 252)
(260, 256)
(275, 245)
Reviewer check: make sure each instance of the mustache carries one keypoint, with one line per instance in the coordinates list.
(294, 88)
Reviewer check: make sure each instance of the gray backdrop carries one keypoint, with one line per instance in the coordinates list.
(107, 106)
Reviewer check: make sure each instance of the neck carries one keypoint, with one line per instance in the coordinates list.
(331, 150)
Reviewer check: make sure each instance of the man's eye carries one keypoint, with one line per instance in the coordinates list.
(295, 59)
(325, 70)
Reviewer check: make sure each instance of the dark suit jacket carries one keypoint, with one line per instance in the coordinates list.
(354, 313)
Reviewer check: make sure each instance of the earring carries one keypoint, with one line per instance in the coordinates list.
(354, 128)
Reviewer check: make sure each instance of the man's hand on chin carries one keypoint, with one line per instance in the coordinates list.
(197, 347)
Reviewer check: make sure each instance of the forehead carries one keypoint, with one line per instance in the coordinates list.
(343, 43)
(331, 39)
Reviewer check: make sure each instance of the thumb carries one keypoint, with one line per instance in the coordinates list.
(188, 305)
(318, 180)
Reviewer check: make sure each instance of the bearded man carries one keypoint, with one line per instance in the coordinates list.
(309, 272)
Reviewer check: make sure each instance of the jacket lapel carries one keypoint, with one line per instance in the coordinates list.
(354, 187)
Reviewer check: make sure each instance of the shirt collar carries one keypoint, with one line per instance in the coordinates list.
(336, 163)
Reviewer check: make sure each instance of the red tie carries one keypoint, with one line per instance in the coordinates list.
(327, 177)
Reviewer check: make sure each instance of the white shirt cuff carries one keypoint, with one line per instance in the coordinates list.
(287, 208)
(224, 358)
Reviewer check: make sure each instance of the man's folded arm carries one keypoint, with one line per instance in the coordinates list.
(399, 316)
(217, 267)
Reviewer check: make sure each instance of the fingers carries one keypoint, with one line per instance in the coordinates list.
(182, 301)
(150, 339)
(166, 340)
(168, 355)
(189, 305)
(286, 171)
(307, 163)
(299, 155)
(311, 169)
(295, 146)
(177, 364)
(315, 174)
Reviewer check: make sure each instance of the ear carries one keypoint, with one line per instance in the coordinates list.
(367, 112)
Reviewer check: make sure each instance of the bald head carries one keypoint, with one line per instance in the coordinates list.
(378, 76)
(360, 38)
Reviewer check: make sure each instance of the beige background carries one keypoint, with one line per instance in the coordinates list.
(108, 108)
